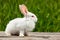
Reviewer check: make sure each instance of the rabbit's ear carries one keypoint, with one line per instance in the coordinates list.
(23, 9)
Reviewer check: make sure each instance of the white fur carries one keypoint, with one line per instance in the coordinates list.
(27, 23)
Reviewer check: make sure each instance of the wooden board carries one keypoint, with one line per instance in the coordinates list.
(32, 36)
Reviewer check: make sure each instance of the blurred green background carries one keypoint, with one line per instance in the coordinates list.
(47, 11)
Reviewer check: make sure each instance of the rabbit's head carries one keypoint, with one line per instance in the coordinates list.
(27, 14)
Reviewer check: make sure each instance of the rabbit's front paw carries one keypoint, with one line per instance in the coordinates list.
(8, 34)
(21, 34)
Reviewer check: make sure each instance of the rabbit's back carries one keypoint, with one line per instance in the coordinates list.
(12, 25)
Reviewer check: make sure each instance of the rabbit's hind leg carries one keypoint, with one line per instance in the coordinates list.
(8, 33)
(15, 34)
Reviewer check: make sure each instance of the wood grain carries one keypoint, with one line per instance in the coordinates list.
(32, 36)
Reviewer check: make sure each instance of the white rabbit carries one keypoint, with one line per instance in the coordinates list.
(21, 25)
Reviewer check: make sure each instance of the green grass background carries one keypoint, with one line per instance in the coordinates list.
(47, 11)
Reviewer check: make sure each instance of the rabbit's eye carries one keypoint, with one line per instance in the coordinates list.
(32, 16)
